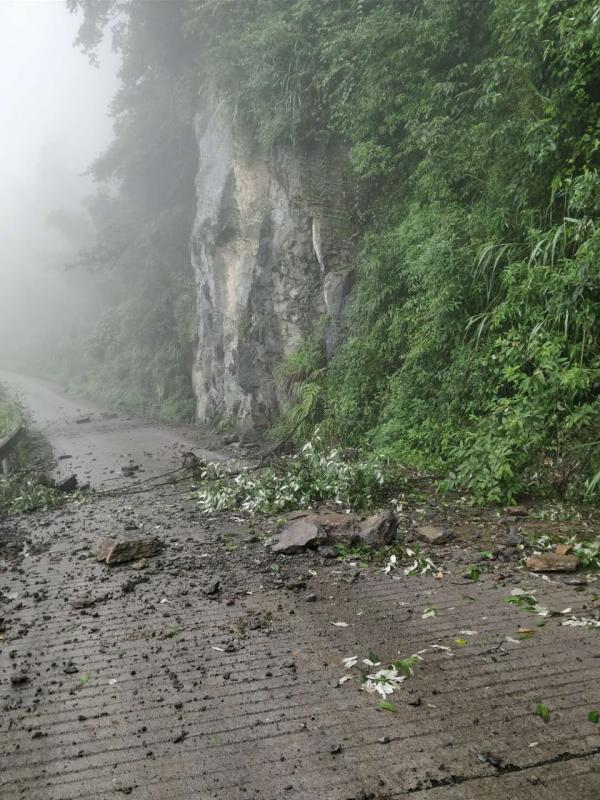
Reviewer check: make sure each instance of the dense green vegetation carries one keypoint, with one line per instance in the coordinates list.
(23, 488)
(10, 414)
(473, 347)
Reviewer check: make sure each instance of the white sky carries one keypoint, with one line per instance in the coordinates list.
(48, 91)
(53, 123)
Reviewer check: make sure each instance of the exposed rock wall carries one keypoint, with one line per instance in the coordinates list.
(271, 249)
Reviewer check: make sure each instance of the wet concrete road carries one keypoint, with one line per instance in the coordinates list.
(158, 690)
(94, 443)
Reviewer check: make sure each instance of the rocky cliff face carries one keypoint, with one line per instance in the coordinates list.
(271, 249)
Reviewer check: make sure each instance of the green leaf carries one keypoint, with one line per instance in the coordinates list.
(472, 572)
(385, 705)
(594, 716)
(405, 666)
(84, 678)
(543, 712)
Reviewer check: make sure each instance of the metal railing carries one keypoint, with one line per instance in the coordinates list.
(8, 445)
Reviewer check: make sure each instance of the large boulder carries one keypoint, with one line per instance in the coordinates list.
(298, 535)
(378, 530)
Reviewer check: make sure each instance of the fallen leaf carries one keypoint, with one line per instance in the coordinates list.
(543, 712)
(340, 624)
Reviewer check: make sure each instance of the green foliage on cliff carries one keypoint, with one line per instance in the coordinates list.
(473, 346)
(140, 354)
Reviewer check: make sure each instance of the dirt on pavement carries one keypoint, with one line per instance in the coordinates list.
(216, 669)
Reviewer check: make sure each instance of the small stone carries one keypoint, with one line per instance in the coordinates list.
(384, 740)
(335, 748)
(20, 679)
(578, 581)
(120, 551)
(88, 600)
(123, 789)
(310, 598)
(328, 551)
(295, 584)
(432, 534)
(551, 562)
(68, 484)
(213, 587)
(514, 540)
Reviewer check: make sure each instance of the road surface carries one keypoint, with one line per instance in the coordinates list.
(94, 443)
(217, 671)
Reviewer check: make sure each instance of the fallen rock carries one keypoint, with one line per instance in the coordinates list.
(129, 470)
(552, 562)
(338, 527)
(120, 551)
(213, 587)
(68, 484)
(516, 511)
(328, 551)
(88, 600)
(298, 535)
(577, 581)
(378, 530)
(299, 515)
(563, 549)
(431, 534)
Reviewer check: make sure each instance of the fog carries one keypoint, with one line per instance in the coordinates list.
(53, 122)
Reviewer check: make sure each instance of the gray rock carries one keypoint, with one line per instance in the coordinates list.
(270, 252)
(120, 551)
(328, 551)
(213, 587)
(297, 536)
(68, 484)
(431, 534)
(378, 530)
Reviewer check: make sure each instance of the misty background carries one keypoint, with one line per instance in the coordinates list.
(54, 122)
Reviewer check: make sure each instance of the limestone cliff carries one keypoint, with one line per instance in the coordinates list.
(271, 249)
